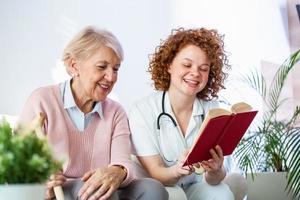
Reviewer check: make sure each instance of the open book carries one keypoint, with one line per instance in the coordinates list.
(221, 127)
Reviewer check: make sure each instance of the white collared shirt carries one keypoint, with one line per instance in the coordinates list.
(80, 120)
(168, 142)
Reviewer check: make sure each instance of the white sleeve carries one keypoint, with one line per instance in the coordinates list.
(142, 126)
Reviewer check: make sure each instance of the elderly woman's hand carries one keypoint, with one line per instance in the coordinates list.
(101, 183)
(54, 180)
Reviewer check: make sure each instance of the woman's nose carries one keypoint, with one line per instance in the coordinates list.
(195, 71)
(109, 75)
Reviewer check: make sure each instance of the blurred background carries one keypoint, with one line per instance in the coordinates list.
(258, 34)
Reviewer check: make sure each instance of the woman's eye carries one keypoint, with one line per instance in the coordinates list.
(101, 66)
(116, 69)
(204, 68)
(186, 65)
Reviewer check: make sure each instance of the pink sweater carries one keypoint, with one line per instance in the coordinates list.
(104, 141)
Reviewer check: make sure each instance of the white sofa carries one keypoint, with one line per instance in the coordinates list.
(11, 119)
(237, 184)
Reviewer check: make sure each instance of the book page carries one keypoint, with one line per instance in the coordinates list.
(240, 107)
(216, 112)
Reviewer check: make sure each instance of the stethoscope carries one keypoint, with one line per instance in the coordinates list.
(163, 113)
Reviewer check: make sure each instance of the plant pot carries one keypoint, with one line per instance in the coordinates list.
(22, 191)
(267, 186)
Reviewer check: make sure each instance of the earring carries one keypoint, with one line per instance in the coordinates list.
(74, 75)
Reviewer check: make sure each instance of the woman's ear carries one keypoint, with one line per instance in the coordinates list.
(73, 67)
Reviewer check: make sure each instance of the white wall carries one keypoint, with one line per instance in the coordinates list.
(254, 30)
(34, 32)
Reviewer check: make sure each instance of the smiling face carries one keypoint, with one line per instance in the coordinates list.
(95, 76)
(189, 71)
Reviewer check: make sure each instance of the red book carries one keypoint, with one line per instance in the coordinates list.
(221, 127)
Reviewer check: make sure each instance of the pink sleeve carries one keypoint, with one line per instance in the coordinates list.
(121, 146)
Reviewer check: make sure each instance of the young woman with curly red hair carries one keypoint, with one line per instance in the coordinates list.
(188, 70)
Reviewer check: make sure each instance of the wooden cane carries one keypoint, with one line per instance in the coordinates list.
(36, 124)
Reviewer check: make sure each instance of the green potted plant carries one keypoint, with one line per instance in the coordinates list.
(273, 144)
(25, 163)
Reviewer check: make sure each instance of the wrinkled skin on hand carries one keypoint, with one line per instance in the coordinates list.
(101, 183)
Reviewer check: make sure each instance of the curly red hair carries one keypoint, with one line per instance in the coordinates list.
(208, 40)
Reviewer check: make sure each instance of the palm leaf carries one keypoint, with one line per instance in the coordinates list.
(280, 78)
(256, 81)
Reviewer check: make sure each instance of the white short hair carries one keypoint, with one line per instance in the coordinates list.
(87, 41)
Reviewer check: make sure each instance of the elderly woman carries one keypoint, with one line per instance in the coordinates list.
(90, 130)
(188, 70)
